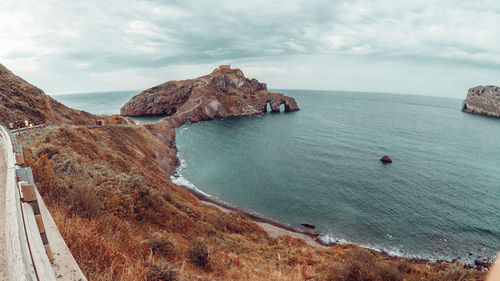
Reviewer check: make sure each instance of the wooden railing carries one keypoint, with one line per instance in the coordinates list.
(28, 128)
(29, 255)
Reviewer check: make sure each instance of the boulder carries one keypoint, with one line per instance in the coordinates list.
(308, 225)
(386, 159)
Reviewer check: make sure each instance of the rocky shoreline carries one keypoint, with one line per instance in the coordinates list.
(277, 229)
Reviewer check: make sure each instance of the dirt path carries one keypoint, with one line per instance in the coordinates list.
(198, 99)
(192, 107)
(3, 254)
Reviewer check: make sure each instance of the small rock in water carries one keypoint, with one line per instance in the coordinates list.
(386, 159)
(308, 225)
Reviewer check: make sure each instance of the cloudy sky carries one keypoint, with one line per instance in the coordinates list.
(423, 47)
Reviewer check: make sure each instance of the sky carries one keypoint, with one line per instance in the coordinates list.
(423, 47)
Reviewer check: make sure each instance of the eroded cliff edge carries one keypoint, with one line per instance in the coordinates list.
(222, 93)
(483, 100)
(20, 100)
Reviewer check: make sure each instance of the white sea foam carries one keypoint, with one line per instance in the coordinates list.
(393, 251)
(182, 181)
(179, 179)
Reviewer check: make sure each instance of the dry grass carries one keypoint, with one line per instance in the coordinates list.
(123, 219)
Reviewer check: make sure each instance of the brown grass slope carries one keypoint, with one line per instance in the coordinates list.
(123, 219)
(19, 101)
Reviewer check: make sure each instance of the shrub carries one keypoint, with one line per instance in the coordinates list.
(404, 267)
(48, 149)
(361, 264)
(233, 223)
(159, 245)
(454, 272)
(162, 272)
(84, 202)
(199, 254)
(43, 172)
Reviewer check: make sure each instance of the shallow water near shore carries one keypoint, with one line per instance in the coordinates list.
(439, 199)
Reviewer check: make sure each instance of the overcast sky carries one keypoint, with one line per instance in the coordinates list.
(423, 47)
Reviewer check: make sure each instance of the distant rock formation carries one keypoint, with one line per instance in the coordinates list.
(19, 101)
(222, 93)
(386, 159)
(483, 100)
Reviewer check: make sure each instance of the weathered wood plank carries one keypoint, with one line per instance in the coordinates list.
(49, 252)
(19, 159)
(4, 272)
(42, 263)
(28, 191)
(39, 223)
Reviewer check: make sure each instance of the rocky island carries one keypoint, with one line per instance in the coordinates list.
(483, 100)
(223, 93)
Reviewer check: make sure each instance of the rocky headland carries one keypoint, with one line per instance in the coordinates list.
(483, 100)
(222, 93)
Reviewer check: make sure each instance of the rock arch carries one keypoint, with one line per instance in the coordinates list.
(275, 103)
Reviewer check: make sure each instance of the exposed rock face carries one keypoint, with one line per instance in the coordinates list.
(19, 101)
(484, 100)
(222, 93)
(386, 159)
(308, 225)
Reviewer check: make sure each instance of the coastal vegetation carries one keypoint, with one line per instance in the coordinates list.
(124, 220)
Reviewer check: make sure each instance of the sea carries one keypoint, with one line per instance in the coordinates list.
(438, 200)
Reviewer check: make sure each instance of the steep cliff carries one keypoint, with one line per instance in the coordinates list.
(222, 93)
(484, 100)
(19, 101)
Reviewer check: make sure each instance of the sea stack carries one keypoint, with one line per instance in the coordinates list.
(223, 93)
(386, 159)
(483, 100)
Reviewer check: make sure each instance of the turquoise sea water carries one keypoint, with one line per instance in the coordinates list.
(439, 199)
(102, 102)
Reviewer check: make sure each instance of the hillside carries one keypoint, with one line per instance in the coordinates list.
(19, 101)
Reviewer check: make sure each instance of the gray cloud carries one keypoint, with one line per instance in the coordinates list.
(110, 36)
